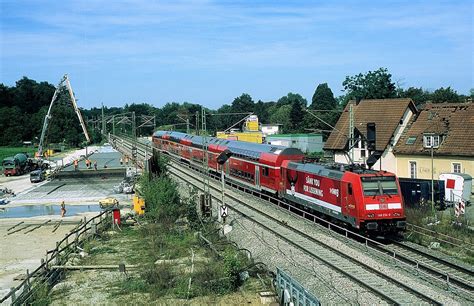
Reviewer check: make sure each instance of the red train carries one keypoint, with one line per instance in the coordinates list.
(365, 199)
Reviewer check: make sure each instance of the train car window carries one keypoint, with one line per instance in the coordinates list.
(349, 188)
(265, 171)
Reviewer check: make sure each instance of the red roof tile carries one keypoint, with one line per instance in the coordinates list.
(453, 121)
(386, 113)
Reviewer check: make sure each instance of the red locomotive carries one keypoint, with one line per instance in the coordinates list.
(365, 199)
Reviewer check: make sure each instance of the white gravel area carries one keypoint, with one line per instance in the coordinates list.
(263, 250)
(328, 286)
(20, 251)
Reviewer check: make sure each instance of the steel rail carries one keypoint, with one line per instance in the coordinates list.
(428, 269)
(360, 265)
(438, 267)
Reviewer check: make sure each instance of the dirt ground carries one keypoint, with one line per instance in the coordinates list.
(20, 251)
(112, 287)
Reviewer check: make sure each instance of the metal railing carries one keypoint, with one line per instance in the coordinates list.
(43, 277)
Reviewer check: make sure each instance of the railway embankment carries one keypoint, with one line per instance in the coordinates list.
(171, 256)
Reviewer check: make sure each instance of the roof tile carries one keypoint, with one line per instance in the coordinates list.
(386, 113)
(453, 121)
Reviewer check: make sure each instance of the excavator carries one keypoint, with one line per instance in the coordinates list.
(64, 82)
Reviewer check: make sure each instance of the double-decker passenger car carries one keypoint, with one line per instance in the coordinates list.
(361, 198)
(257, 166)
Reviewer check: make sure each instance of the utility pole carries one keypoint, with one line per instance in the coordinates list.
(206, 187)
(197, 122)
(103, 120)
(432, 182)
(351, 132)
(187, 126)
(134, 127)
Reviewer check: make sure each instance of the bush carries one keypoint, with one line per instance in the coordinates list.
(210, 279)
(161, 198)
(233, 265)
(161, 278)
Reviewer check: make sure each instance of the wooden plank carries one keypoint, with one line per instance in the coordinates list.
(95, 267)
(20, 229)
(38, 226)
(15, 226)
(57, 226)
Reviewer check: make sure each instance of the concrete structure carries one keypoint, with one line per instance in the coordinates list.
(308, 143)
(390, 116)
(449, 129)
(270, 129)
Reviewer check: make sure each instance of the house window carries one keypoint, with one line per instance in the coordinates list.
(457, 167)
(411, 140)
(413, 169)
(431, 141)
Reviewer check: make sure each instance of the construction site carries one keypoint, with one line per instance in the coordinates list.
(47, 195)
(56, 200)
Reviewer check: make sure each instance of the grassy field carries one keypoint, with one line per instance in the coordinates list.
(11, 151)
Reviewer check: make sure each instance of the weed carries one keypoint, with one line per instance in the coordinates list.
(131, 285)
(160, 278)
(447, 225)
(40, 295)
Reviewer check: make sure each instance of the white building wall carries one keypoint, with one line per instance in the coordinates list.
(270, 129)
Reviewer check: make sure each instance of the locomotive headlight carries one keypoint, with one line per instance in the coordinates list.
(370, 215)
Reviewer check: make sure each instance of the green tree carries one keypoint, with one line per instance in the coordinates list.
(418, 95)
(447, 94)
(372, 85)
(262, 110)
(12, 130)
(31, 96)
(323, 98)
(325, 107)
(64, 125)
(281, 115)
(221, 121)
(297, 105)
(7, 98)
(243, 104)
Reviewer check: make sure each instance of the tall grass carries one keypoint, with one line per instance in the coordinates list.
(446, 224)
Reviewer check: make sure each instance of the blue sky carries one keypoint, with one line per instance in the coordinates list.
(209, 52)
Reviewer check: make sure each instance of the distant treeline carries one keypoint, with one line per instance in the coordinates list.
(23, 107)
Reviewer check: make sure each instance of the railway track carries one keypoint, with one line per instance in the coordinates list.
(454, 275)
(442, 269)
(388, 288)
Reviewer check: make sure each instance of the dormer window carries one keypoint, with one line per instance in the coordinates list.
(411, 140)
(431, 140)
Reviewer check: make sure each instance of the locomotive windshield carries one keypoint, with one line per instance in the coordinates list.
(379, 185)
